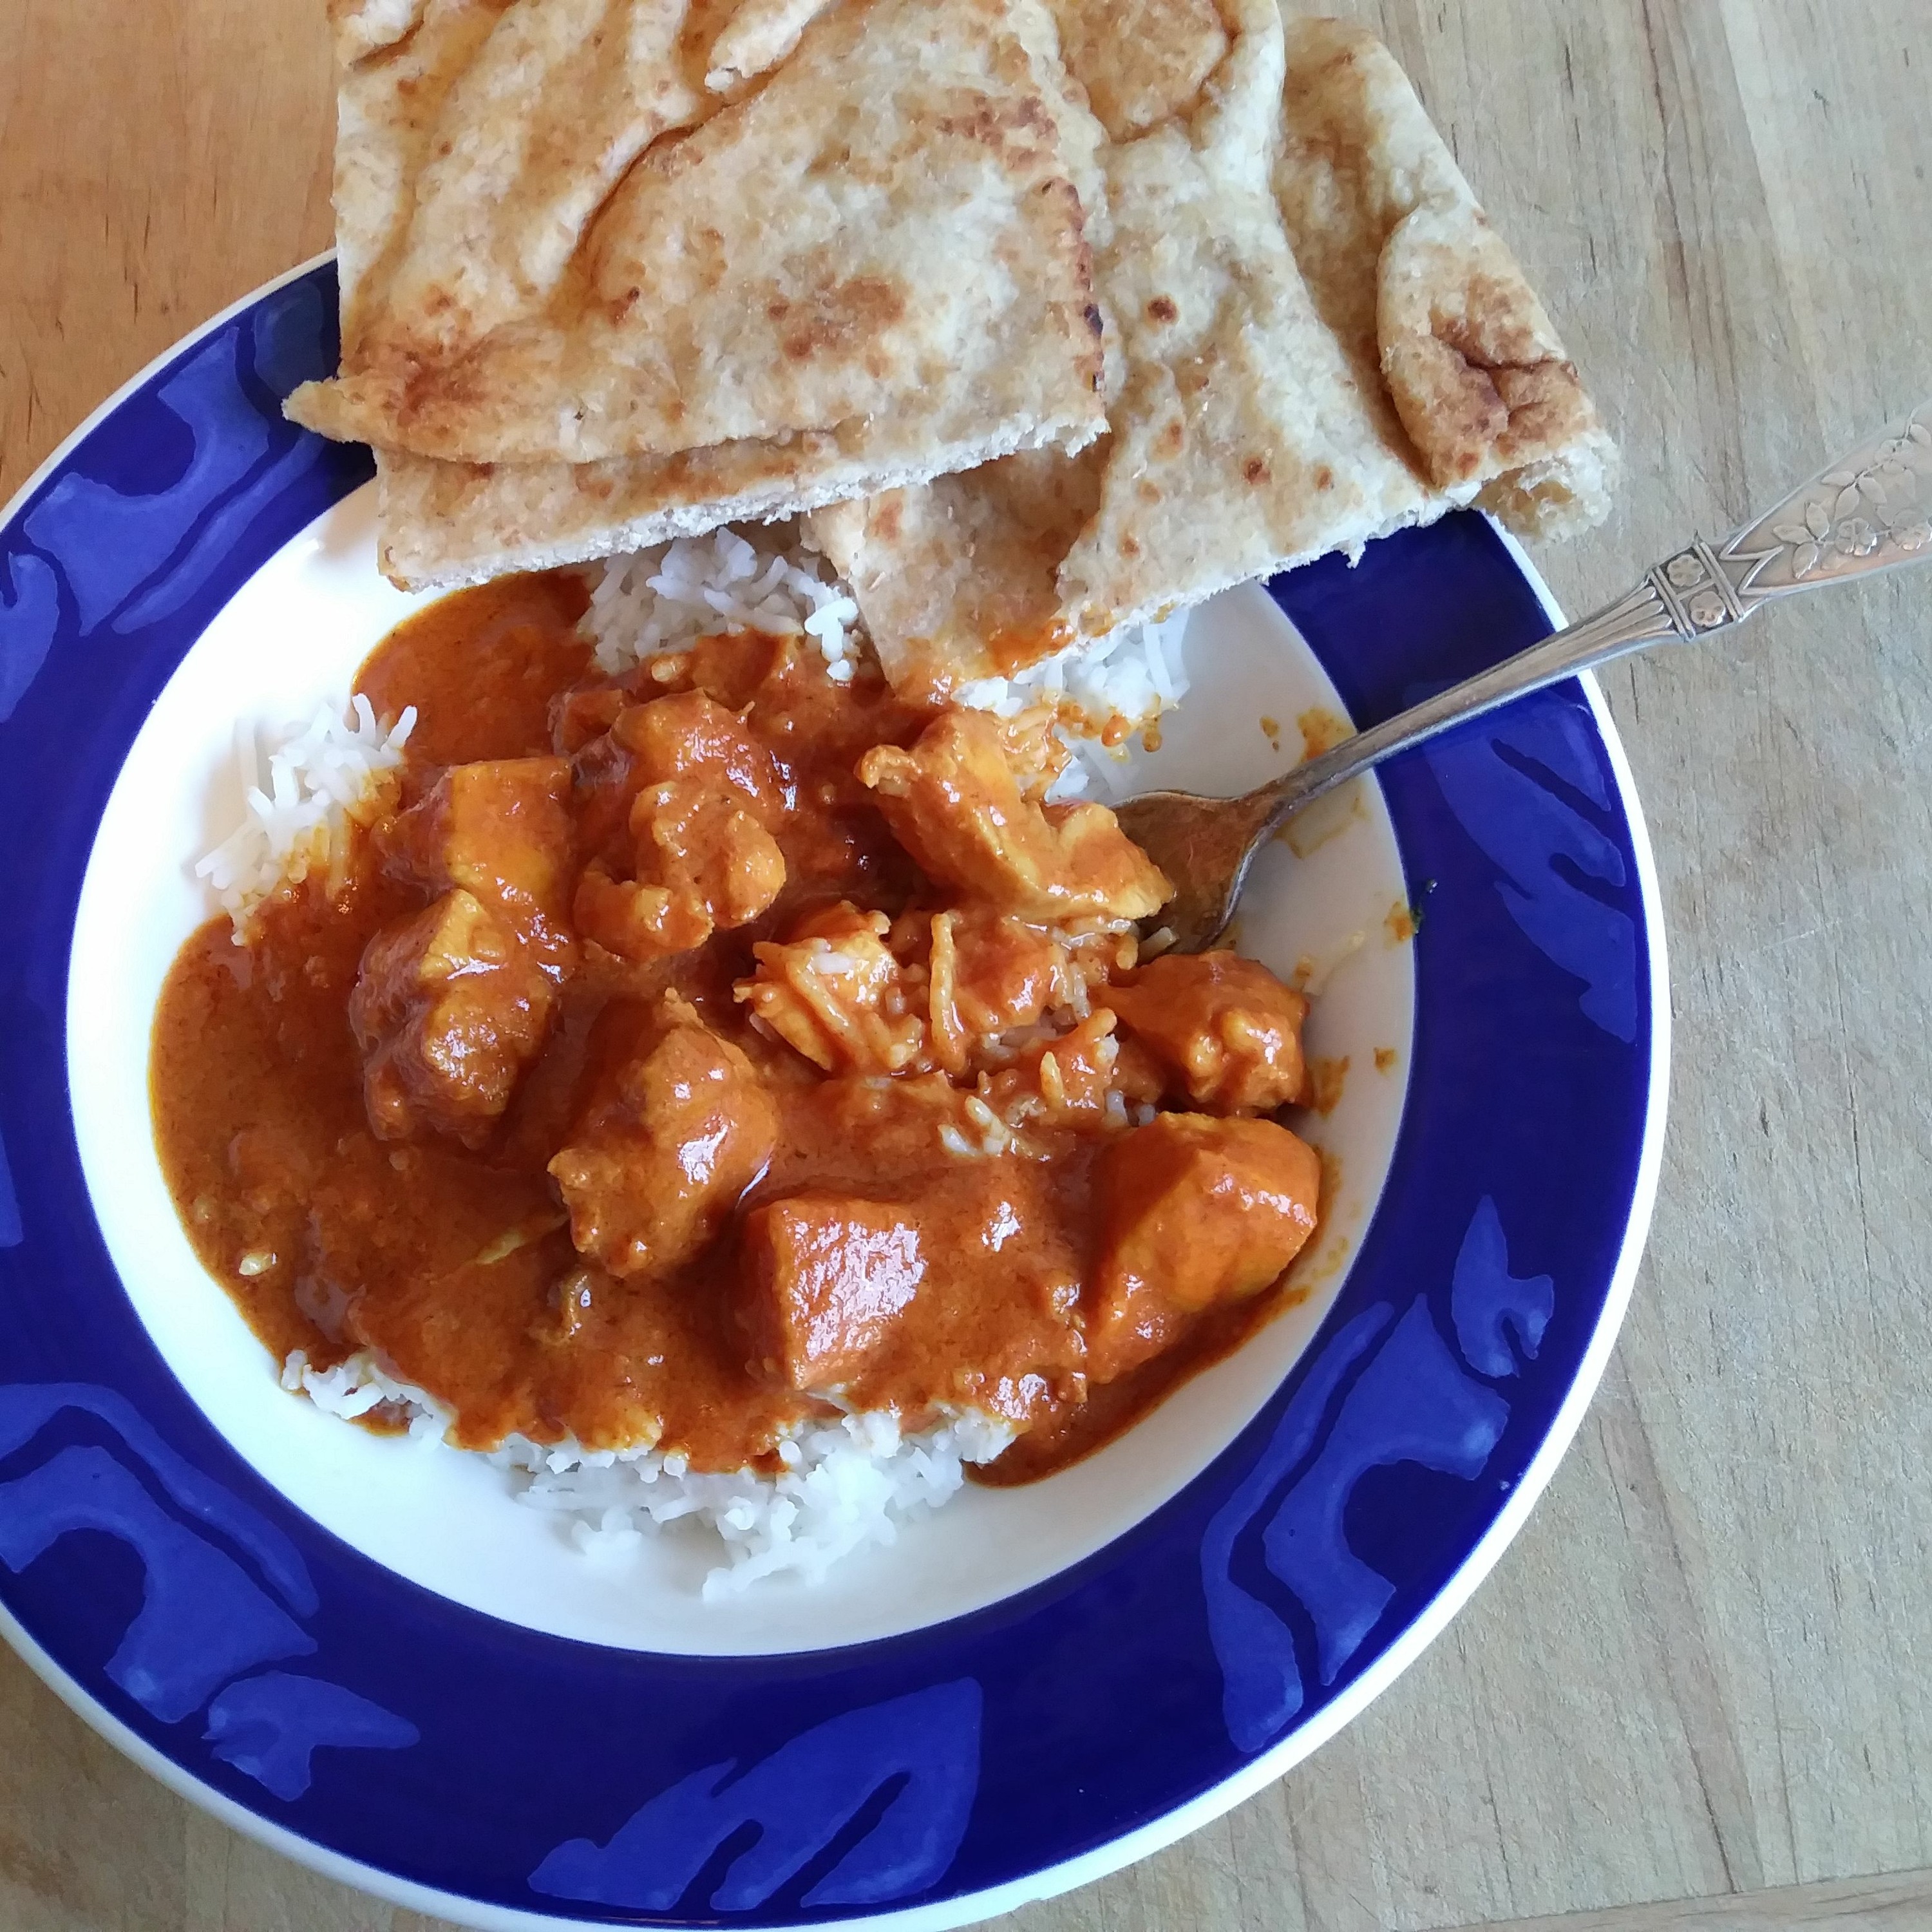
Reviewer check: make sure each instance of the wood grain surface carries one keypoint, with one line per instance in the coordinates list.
(1694, 1695)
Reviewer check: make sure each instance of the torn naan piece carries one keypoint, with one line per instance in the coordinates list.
(959, 578)
(760, 34)
(397, 60)
(446, 524)
(792, 267)
(1324, 342)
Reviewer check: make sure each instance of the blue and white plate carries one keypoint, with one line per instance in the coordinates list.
(366, 1654)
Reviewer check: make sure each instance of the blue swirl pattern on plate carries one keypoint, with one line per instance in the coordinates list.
(204, 1620)
(496, 1765)
(1370, 1403)
(800, 1799)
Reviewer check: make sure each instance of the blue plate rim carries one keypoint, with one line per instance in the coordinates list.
(1265, 1768)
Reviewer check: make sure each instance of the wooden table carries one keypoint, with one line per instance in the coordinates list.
(1695, 1693)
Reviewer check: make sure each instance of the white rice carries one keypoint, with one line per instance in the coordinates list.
(673, 594)
(660, 599)
(320, 777)
(1135, 672)
(847, 1482)
(353, 1388)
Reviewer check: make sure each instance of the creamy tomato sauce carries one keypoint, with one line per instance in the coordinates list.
(681, 1050)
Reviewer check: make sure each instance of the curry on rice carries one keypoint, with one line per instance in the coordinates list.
(677, 1056)
(721, 1056)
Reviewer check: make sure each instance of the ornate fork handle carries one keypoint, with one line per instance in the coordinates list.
(1871, 510)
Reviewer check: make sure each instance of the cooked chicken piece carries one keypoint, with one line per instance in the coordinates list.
(1034, 751)
(665, 738)
(991, 974)
(1228, 1029)
(1000, 973)
(500, 829)
(823, 1276)
(987, 974)
(693, 833)
(650, 1176)
(1193, 1211)
(688, 731)
(835, 992)
(701, 791)
(638, 921)
(448, 1009)
(953, 802)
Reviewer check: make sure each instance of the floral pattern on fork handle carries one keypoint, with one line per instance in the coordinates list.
(1871, 511)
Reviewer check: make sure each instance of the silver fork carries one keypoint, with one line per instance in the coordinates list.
(1869, 511)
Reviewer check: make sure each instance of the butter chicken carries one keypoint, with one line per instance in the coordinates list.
(679, 1054)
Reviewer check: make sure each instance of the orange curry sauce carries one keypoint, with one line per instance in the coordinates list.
(680, 1048)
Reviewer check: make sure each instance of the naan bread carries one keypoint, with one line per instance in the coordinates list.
(539, 122)
(959, 578)
(1243, 440)
(1323, 341)
(397, 59)
(791, 267)
(1141, 62)
(1404, 266)
(760, 34)
(443, 524)
(363, 27)
(440, 236)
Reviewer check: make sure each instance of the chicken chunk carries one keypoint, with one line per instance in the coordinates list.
(1228, 1031)
(1194, 1211)
(694, 834)
(701, 856)
(824, 1277)
(650, 1177)
(992, 972)
(689, 732)
(448, 1010)
(584, 713)
(989, 974)
(638, 921)
(835, 992)
(500, 829)
(953, 802)
(668, 738)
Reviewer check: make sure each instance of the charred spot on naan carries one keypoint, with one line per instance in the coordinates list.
(836, 316)
(1433, 309)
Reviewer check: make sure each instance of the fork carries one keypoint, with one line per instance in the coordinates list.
(1869, 511)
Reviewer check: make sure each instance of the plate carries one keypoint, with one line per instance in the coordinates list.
(367, 1655)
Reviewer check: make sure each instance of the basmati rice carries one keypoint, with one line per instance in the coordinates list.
(353, 1388)
(1135, 674)
(671, 595)
(321, 778)
(847, 1482)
